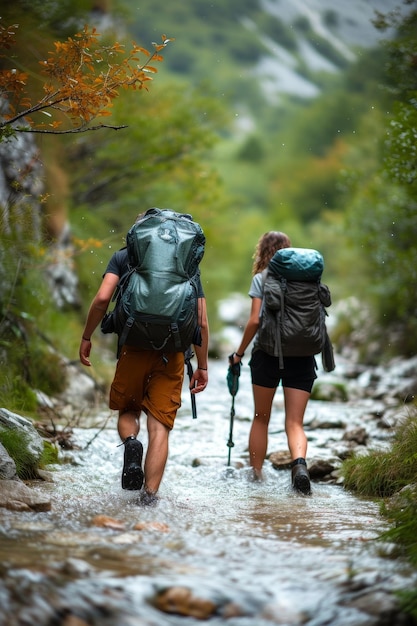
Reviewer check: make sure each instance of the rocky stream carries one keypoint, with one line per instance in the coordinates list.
(217, 548)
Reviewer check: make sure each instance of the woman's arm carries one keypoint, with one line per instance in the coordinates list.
(250, 330)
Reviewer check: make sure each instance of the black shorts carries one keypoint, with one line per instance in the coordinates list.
(299, 371)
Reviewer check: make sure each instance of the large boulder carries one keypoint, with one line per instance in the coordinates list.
(24, 426)
(16, 496)
(7, 465)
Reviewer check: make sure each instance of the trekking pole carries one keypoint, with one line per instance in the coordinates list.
(233, 374)
(188, 356)
(230, 443)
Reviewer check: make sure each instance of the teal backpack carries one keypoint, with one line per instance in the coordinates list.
(293, 319)
(157, 300)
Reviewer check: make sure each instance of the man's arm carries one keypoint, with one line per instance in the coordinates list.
(96, 313)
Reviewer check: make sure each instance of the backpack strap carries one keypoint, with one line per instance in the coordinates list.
(280, 313)
(124, 334)
(278, 321)
(176, 336)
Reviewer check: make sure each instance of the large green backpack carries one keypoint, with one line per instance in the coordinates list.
(293, 319)
(157, 300)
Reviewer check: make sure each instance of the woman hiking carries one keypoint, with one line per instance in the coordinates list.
(297, 377)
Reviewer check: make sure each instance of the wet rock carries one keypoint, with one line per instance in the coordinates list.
(378, 603)
(73, 620)
(280, 459)
(61, 272)
(24, 426)
(330, 391)
(152, 526)
(345, 450)
(320, 468)
(16, 496)
(7, 465)
(357, 435)
(284, 615)
(127, 538)
(102, 521)
(44, 475)
(231, 610)
(81, 389)
(402, 498)
(197, 462)
(76, 567)
(181, 601)
(21, 183)
(318, 423)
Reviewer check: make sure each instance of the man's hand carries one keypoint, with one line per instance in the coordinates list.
(85, 349)
(198, 381)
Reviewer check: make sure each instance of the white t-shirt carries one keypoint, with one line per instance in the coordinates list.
(256, 290)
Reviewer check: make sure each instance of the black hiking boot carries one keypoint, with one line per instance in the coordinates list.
(300, 477)
(132, 475)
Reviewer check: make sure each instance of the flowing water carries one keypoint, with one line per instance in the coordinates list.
(262, 554)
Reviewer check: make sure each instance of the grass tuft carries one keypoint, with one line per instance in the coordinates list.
(392, 475)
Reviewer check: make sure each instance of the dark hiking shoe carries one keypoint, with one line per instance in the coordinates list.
(300, 477)
(132, 475)
(148, 498)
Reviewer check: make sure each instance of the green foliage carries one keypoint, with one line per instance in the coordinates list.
(329, 392)
(15, 393)
(169, 133)
(401, 145)
(27, 361)
(372, 475)
(299, 166)
(384, 473)
(49, 455)
(63, 16)
(393, 475)
(16, 443)
(164, 157)
(278, 31)
(383, 210)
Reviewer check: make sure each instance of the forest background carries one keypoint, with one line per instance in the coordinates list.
(259, 118)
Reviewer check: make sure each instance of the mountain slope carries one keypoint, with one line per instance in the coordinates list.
(285, 47)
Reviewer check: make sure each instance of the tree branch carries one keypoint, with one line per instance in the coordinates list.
(80, 129)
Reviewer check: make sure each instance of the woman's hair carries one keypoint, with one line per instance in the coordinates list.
(266, 247)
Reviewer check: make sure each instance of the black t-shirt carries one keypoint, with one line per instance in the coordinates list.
(118, 265)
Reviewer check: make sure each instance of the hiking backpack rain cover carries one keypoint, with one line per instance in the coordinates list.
(293, 319)
(157, 302)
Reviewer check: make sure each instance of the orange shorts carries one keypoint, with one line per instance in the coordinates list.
(144, 381)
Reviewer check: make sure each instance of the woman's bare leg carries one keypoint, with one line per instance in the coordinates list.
(258, 437)
(295, 405)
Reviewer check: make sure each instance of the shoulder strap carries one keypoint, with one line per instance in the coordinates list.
(279, 314)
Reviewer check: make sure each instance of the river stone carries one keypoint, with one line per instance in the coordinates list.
(377, 602)
(281, 459)
(7, 465)
(357, 435)
(34, 442)
(181, 601)
(16, 496)
(152, 526)
(319, 468)
(104, 521)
